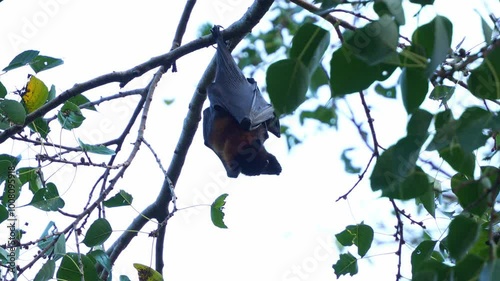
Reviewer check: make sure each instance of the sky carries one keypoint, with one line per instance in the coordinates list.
(280, 227)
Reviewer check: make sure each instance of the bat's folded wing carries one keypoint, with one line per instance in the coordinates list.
(237, 95)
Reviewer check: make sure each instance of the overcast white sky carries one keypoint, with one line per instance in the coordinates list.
(280, 228)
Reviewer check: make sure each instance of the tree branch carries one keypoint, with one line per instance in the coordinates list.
(159, 208)
(237, 29)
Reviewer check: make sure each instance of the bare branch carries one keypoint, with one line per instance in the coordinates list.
(315, 10)
(159, 208)
(238, 29)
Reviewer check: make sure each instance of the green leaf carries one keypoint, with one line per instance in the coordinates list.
(422, 253)
(349, 168)
(124, 278)
(435, 37)
(47, 199)
(463, 162)
(287, 82)
(346, 237)
(428, 201)
(360, 235)
(484, 80)
(325, 115)
(52, 93)
(47, 238)
(8, 164)
(22, 59)
(442, 93)
(80, 100)
(309, 45)
(45, 241)
(122, 198)
(470, 127)
(445, 126)
(13, 110)
(70, 116)
(60, 247)
(273, 41)
(97, 149)
(385, 92)
(391, 7)
(467, 130)
(12, 190)
(471, 194)
(462, 234)
(168, 101)
(414, 86)
(4, 256)
(249, 56)
(40, 126)
(374, 42)
(318, 79)
(491, 271)
(487, 30)
(3, 91)
(418, 125)
(348, 74)
(347, 263)
(146, 273)
(47, 271)
(491, 174)
(414, 185)
(364, 239)
(98, 233)
(395, 172)
(4, 214)
(432, 270)
(30, 175)
(204, 29)
(101, 258)
(70, 268)
(327, 4)
(216, 211)
(469, 268)
(41, 63)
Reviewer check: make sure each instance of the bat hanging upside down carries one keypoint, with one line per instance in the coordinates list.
(236, 123)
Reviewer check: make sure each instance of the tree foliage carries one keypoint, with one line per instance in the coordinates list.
(347, 47)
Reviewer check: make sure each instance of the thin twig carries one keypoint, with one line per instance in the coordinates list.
(360, 177)
(155, 156)
(370, 123)
(159, 208)
(315, 10)
(399, 237)
(124, 77)
(120, 95)
(181, 28)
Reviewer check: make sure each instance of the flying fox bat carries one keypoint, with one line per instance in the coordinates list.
(236, 123)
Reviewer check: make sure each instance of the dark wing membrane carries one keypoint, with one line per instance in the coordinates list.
(236, 94)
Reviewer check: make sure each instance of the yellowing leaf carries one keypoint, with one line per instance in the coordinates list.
(36, 94)
(146, 273)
